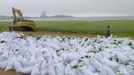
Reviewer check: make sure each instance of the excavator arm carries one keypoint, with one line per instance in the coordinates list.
(17, 15)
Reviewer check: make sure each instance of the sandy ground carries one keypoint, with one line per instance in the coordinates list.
(58, 34)
(11, 72)
(53, 34)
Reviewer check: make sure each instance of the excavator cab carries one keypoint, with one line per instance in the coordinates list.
(20, 24)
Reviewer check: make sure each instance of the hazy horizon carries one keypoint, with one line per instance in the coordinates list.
(79, 8)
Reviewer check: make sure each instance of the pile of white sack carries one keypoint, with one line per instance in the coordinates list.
(48, 55)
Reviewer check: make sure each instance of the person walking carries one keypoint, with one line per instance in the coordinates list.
(10, 27)
(108, 32)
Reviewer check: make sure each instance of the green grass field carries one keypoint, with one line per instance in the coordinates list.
(118, 27)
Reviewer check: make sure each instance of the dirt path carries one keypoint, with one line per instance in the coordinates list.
(11, 72)
(58, 34)
(67, 34)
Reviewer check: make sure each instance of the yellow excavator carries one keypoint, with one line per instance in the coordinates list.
(19, 23)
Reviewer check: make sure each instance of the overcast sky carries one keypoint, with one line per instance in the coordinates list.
(70, 7)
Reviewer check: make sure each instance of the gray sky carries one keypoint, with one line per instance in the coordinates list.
(70, 7)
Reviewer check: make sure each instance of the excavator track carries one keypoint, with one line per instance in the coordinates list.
(22, 28)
